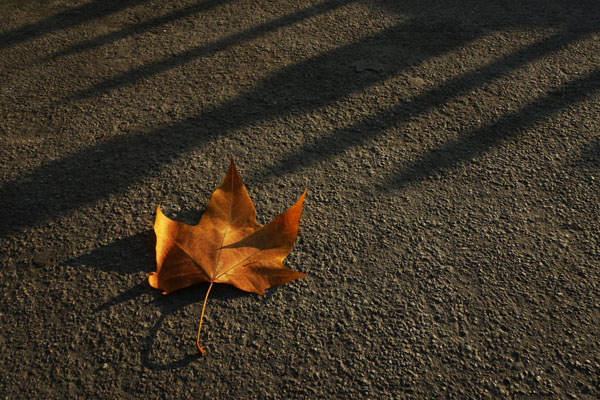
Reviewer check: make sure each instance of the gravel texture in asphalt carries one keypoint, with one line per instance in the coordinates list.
(451, 153)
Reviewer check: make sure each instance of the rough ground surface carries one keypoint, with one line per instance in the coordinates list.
(451, 151)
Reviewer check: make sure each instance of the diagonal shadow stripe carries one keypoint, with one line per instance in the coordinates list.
(187, 56)
(136, 29)
(355, 135)
(94, 173)
(66, 19)
(479, 141)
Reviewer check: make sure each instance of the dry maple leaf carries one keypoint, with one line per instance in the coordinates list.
(226, 246)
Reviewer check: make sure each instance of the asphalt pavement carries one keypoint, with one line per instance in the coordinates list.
(451, 155)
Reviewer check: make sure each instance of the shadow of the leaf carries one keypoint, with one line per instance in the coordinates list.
(126, 256)
(146, 354)
(172, 303)
(121, 256)
(133, 254)
(127, 295)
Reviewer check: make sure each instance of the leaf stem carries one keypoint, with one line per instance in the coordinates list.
(200, 349)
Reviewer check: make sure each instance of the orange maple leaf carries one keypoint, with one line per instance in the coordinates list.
(226, 246)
